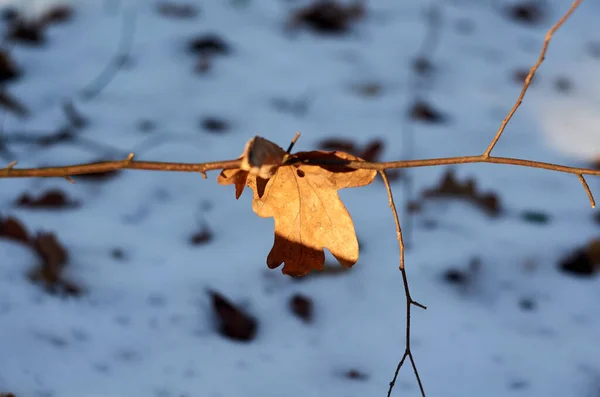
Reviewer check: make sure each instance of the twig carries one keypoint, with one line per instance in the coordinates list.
(409, 300)
(105, 166)
(118, 61)
(100, 167)
(587, 190)
(531, 73)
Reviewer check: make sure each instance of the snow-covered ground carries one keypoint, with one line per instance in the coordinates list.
(144, 325)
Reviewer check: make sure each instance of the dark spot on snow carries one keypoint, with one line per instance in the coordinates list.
(563, 84)
(302, 307)
(101, 367)
(9, 13)
(429, 224)
(127, 355)
(233, 323)
(463, 277)
(117, 253)
(298, 107)
(53, 257)
(369, 90)
(123, 320)
(12, 104)
(422, 66)
(518, 384)
(157, 300)
(355, 374)
(53, 340)
(214, 124)
(527, 304)
(27, 33)
(456, 276)
(529, 12)
(174, 10)
(594, 49)
(425, 112)
(75, 119)
(372, 151)
(328, 17)
(51, 199)
(49, 273)
(579, 264)
(537, 217)
(414, 207)
(201, 237)
(450, 187)
(146, 126)
(8, 68)
(59, 13)
(13, 229)
(209, 44)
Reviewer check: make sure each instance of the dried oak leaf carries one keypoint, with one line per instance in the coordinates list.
(308, 213)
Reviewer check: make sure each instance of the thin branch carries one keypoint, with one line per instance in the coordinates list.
(409, 300)
(100, 167)
(532, 71)
(587, 190)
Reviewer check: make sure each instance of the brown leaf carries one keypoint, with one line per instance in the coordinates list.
(235, 177)
(308, 212)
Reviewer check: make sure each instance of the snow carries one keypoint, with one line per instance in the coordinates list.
(144, 325)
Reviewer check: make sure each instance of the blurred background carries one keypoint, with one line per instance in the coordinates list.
(139, 283)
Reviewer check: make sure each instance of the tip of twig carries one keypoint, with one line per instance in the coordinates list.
(68, 178)
(587, 190)
(293, 142)
(11, 165)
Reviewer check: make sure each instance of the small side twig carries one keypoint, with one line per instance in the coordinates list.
(409, 300)
(531, 73)
(587, 190)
